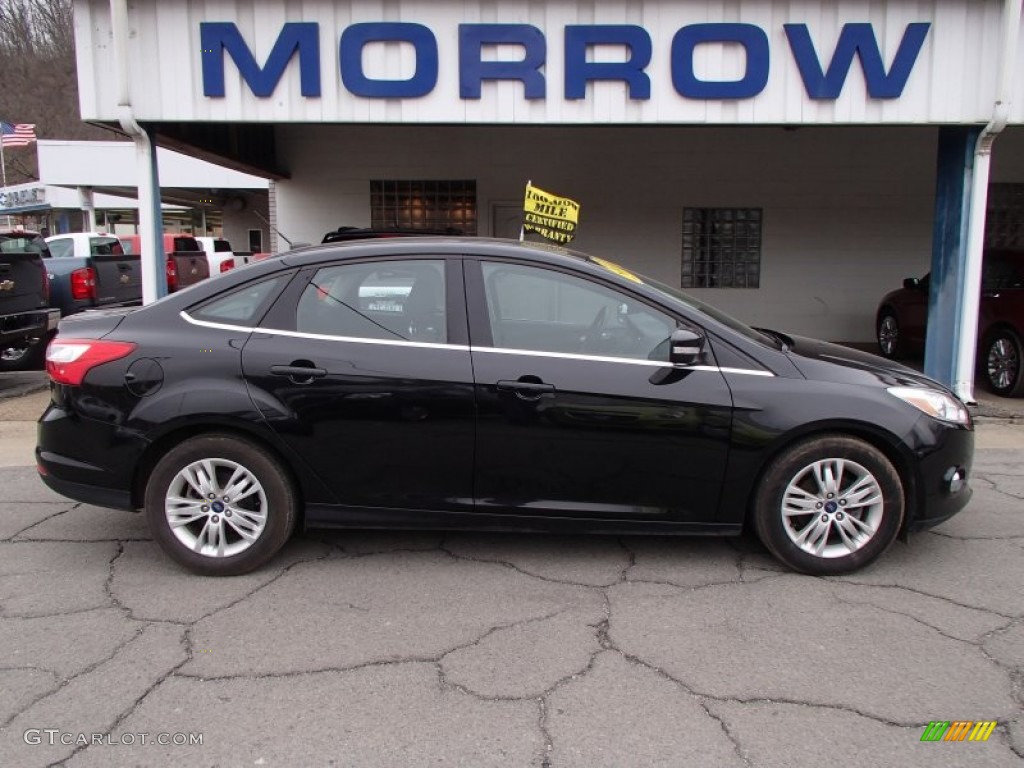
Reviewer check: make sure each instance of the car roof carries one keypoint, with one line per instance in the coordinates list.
(433, 245)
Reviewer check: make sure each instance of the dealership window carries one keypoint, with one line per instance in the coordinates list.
(721, 248)
(424, 204)
(1004, 220)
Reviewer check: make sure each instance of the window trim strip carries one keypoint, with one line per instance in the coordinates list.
(464, 348)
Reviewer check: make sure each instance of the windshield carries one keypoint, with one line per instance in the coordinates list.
(681, 296)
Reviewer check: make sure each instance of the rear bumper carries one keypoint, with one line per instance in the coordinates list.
(23, 325)
(86, 459)
(90, 494)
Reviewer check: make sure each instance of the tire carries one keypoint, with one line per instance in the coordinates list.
(866, 481)
(1004, 364)
(208, 538)
(24, 355)
(887, 333)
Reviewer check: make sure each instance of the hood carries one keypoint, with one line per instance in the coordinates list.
(823, 361)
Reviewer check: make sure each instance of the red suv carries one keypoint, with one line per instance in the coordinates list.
(903, 315)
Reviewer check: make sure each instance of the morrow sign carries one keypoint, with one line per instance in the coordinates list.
(301, 40)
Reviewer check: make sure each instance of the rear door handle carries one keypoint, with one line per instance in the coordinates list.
(526, 390)
(300, 374)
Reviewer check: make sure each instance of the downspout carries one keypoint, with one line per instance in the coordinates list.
(963, 374)
(154, 276)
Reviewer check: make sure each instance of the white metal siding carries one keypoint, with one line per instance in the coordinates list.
(847, 212)
(953, 80)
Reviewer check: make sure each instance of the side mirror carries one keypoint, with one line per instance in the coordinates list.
(911, 283)
(685, 346)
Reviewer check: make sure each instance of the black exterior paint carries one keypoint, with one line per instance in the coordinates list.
(423, 435)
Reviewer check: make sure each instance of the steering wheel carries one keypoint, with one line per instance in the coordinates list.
(593, 329)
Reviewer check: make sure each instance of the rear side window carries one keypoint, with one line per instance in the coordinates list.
(105, 246)
(62, 247)
(23, 244)
(221, 246)
(242, 306)
(394, 300)
(128, 247)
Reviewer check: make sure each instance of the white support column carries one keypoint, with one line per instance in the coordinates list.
(88, 204)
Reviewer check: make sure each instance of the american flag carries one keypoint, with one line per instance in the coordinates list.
(17, 134)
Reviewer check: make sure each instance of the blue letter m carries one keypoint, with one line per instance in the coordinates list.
(216, 37)
(859, 40)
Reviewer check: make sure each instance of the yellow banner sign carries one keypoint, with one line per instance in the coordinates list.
(550, 216)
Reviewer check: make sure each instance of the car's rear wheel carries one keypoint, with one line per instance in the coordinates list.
(220, 505)
(1004, 364)
(829, 505)
(888, 333)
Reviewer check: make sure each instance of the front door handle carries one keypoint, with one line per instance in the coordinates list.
(300, 371)
(527, 388)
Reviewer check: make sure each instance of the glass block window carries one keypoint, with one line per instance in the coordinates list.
(1004, 220)
(721, 248)
(424, 204)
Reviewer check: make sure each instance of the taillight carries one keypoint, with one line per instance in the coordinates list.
(172, 275)
(227, 264)
(68, 360)
(83, 283)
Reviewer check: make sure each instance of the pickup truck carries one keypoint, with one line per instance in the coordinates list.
(219, 254)
(91, 269)
(186, 263)
(26, 322)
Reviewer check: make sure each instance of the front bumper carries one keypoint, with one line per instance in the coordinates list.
(944, 457)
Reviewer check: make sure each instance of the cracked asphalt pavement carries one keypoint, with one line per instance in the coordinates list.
(406, 649)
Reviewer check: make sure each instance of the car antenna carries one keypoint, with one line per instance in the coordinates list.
(277, 231)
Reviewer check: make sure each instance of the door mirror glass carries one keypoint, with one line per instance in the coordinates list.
(686, 346)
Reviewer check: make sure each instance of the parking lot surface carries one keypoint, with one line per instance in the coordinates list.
(406, 649)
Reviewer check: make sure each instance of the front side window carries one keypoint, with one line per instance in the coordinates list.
(543, 310)
(393, 300)
(62, 247)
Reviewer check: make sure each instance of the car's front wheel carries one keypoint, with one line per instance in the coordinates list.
(828, 505)
(1004, 364)
(220, 505)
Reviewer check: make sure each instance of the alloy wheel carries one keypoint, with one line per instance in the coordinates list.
(1003, 363)
(216, 507)
(832, 507)
(888, 335)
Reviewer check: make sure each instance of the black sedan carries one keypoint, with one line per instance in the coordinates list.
(450, 383)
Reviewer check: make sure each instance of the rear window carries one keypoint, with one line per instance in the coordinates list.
(186, 244)
(105, 246)
(22, 244)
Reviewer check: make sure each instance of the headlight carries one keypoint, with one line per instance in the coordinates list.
(936, 404)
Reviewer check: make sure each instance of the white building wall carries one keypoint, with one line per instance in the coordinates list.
(847, 212)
